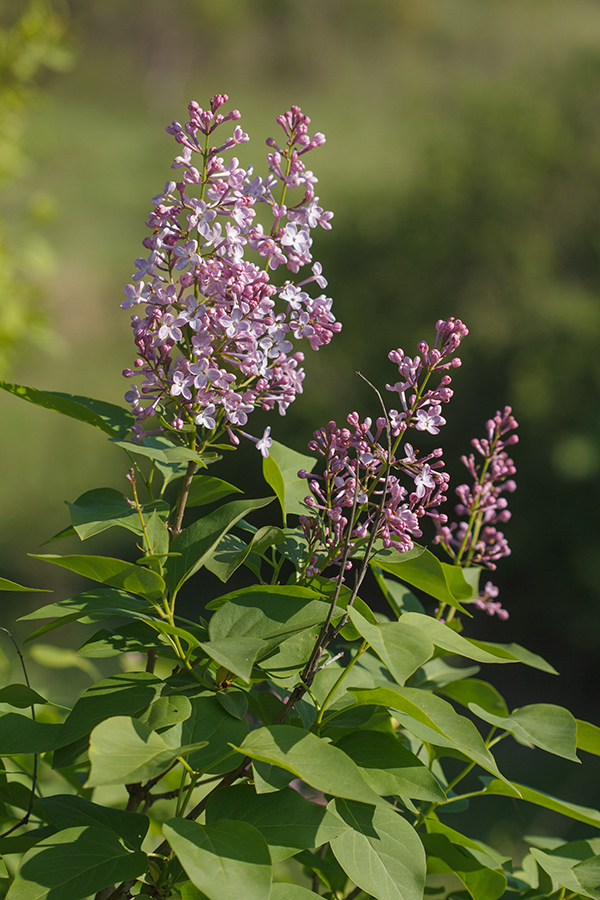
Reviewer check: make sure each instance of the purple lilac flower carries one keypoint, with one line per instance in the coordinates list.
(475, 540)
(353, 495)
(421, 406)
(488, 603)
(216, 338)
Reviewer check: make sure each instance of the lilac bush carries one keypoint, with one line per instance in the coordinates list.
(283, 740)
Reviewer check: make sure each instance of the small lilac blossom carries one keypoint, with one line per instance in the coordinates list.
(488, 603)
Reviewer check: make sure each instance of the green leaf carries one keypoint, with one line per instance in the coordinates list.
(73, 864)
(471, 690)
(135, 637)
(587, 873)
(114, 572)
(157, 533)
(20, 696)
(427, 573)
(234, 702)
(166, 710)
(567, 867)
(280, 471)
(284, 891)
(588, 737)
(479, 868)
(200, 539)
(380, 852)
(205, 489)
(113, 420)
(6, 585)
(69, 811)
(328, 588)
(539, 798)
(550, 727)
(437, 673)
(232, 552)
(270, 613)
(209, 723)
(480, 651)
(397, 595)
(124, 750)
(432, 720)
(19, 734)
(318, 763)
(236, 654)
(287, 821)
(327, 868)
(103, 508)
(125, 694)
(89, 603)
(23, 841)
(226, 860)
(389, 767)
(160, 449)
(463, 582)
(290, 657)
(401, 647)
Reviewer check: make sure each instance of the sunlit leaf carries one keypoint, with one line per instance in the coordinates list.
(103, 508)
(318, 763)
(200, 539)
(280, 471)
(287, 821)
(380, 851)
(124, 750)
(389, 767)
(113, 420)
(226, 860)
(114, 572)
(206, 489)
(550, 727)
(426, 572)
(74, 863)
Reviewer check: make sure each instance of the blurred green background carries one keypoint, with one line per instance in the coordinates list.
(463, 165)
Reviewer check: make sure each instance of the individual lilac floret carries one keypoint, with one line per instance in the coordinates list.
(475, 540)
(215, 335)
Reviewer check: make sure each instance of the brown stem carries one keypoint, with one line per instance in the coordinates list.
(120, 892)
(182, 499)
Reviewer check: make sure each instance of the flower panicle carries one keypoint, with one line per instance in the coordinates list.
(367, 483)
(217, 336)
(422, 405)
(475, 539)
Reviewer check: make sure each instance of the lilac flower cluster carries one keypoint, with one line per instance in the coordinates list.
(475, 540)
(359, 491)
(212, 346)
(421, 408)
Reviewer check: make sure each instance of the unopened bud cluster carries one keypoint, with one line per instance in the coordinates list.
(475, 539)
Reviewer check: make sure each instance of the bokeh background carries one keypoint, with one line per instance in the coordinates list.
(463, 165)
